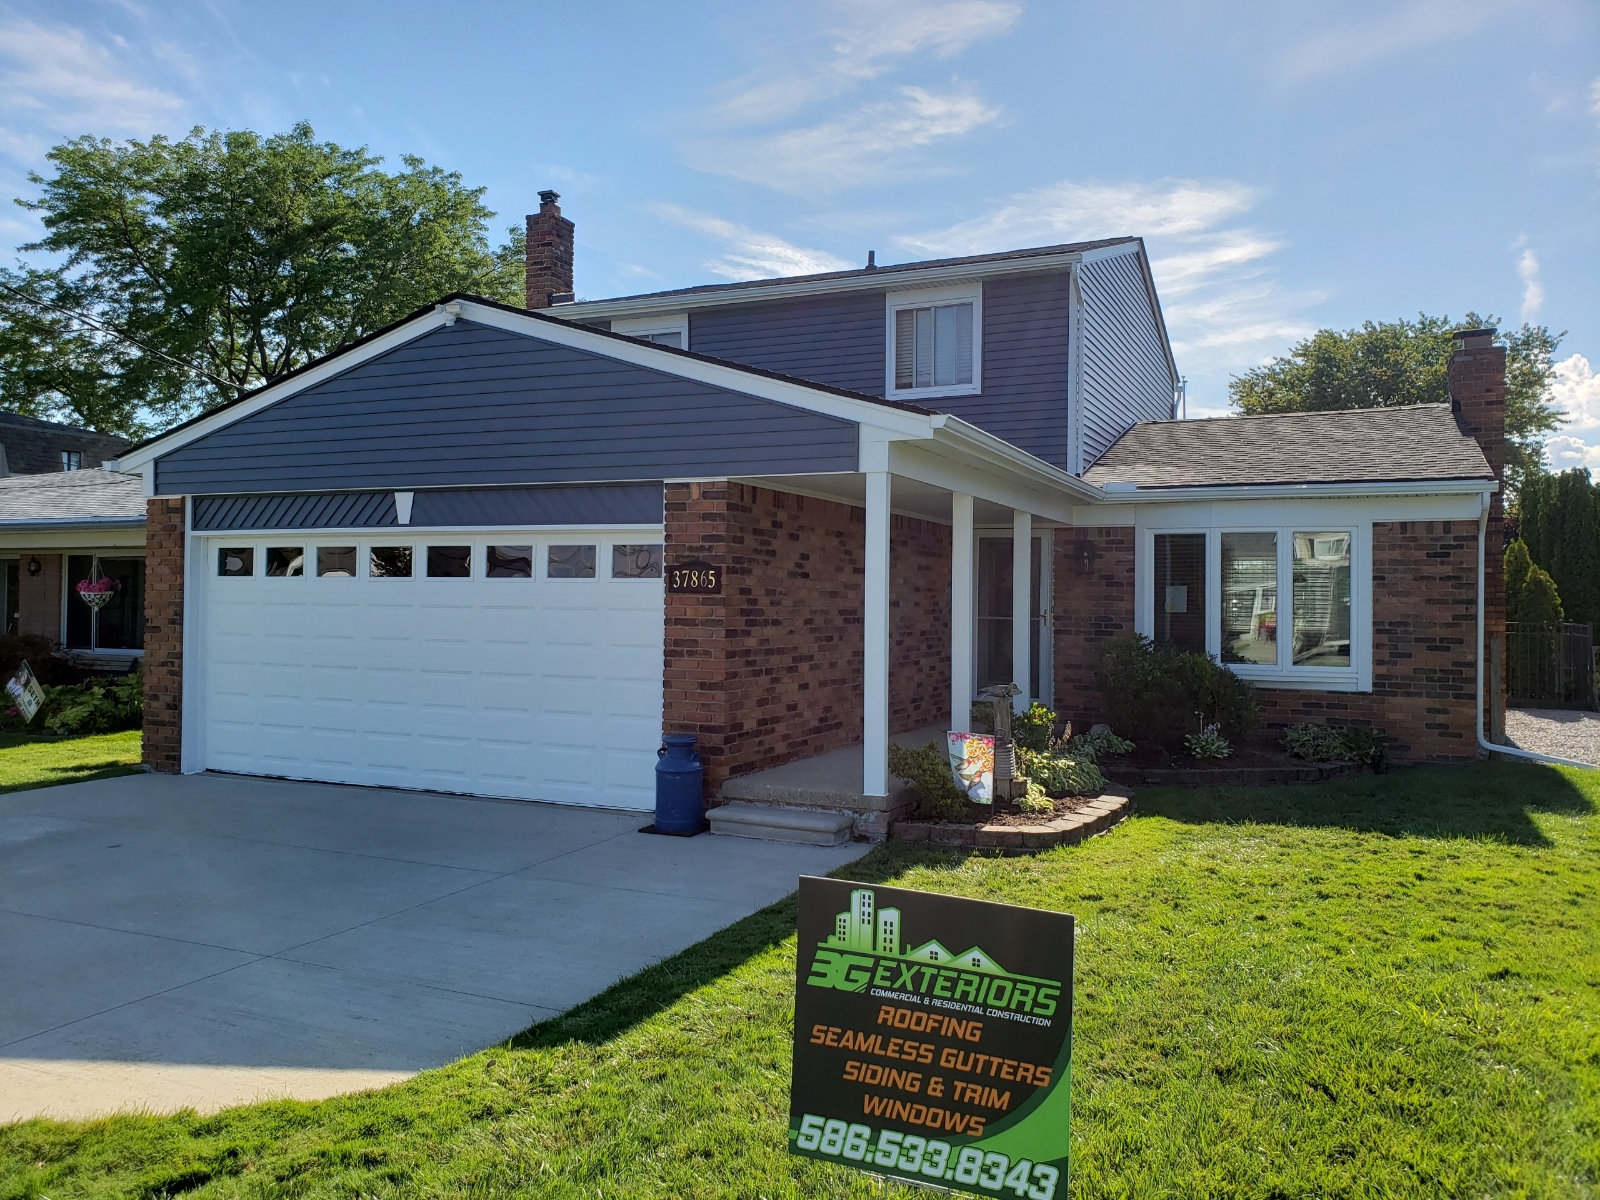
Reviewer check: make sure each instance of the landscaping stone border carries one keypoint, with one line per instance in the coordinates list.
(1099, 815)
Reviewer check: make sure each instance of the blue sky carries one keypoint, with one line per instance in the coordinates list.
(1291, 166)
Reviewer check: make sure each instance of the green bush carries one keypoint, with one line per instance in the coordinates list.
(1094, 746)
(1035, 801)
(927, 770)
(1059, 775)
(1033, 730)
(1208, 744)
(40, 654)
(104, 704)
(1329, 743)
(1157, 692)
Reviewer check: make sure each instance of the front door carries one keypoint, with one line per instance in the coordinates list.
(992, 638)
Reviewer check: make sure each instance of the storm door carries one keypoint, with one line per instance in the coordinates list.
(992, 638)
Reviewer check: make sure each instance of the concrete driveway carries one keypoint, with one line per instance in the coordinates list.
(208, 940)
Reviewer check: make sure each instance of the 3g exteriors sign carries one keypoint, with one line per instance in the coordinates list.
(912, 1060)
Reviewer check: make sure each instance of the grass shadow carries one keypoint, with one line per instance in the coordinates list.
(1488, 800)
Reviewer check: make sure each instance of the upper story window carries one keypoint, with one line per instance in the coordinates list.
(935, 340)
(72, 460)
(670, 330)
(1283, 607)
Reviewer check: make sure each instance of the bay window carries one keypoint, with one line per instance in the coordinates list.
(1280, 606)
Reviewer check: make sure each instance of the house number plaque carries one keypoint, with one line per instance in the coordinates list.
(694, 578)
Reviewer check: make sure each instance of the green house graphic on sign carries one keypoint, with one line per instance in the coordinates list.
(871, 930)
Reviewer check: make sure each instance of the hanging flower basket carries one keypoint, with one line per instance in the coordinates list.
(97, 590)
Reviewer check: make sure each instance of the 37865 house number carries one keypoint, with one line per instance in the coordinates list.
(694, 578)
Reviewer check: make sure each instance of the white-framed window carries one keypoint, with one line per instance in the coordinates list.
(670, 330)
(1285, 606)
(72, 460)
(633, 555)
(934, 342)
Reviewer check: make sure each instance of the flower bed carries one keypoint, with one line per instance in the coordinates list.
(1083, 819)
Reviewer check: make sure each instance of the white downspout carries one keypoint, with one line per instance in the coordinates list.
(1483, 742)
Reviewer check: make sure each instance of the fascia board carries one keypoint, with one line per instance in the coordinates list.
(968, 439)
(641, 354)
(1292, 491)
(935, 466)
(655, 358)
(883, 281)
(136, 460)
(24, 524)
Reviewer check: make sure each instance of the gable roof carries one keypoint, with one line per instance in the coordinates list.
(1370, 445)
(71, 498)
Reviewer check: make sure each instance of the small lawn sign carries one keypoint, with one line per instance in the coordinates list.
(26, 692)
(946, 1068)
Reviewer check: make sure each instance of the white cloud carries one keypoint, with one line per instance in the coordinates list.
(748, 253)
(1594, 97)
(1402, 28)
(57, 82)
(877, 142)
(874, 37)
(1564, 453)
(1532, 288)
(1575, 391)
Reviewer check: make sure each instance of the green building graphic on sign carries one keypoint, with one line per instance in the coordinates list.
(871, 930)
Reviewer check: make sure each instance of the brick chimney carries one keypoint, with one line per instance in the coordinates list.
(1478, 395)
(549, 277)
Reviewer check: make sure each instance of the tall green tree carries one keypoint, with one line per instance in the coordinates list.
(1560, 522)
(1386, 364)
(244, 256)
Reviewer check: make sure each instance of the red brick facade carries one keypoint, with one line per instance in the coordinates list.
(1093, 590)
(163, 635)
(39, 597)
(771, 669)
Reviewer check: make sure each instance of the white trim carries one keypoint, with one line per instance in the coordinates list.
(1022, 609)
(932, 297)
(577, 337)
(882, 280)
(633, 327)
(875, 638)
(1114, 494)
(963, 592)
(1075, 463)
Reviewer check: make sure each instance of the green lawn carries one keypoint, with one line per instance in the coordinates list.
(27, 761)
(1380, 987)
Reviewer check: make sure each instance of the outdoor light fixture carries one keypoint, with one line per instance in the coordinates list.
(1087, 552)
(34, 566)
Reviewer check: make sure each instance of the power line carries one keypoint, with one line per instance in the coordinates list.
(117, 333)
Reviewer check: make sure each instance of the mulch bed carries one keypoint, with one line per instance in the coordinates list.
(1248, 765)
(1019, 833)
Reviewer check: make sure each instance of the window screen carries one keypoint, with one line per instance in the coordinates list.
(933, 346)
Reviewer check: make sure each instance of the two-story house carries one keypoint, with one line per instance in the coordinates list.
(499, 551)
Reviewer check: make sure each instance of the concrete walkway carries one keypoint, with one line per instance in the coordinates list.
(209, 940)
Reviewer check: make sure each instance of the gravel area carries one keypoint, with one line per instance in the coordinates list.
(1559, 731)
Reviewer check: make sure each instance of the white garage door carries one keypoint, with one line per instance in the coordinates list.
(519, 665)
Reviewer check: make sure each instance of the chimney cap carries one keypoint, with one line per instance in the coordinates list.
(1472, 339)
(548, 197)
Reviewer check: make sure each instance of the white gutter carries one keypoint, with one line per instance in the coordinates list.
(48, 524)
(1483, 742)
(1117, 493)
(965, 436)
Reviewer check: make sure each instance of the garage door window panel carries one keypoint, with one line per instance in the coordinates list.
(336, 562)
(509, 562)
(235, 562)
(389, 562)
(449, 562)
(570, 562)
(284, 562)
(635, 561)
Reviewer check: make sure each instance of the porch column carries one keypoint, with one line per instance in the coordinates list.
(960, 611)
(875, 641)
(1021, 607)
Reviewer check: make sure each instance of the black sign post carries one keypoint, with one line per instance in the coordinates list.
(933, 1039)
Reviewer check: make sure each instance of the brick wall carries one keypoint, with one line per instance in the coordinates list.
(163, 635)
(1092, 607)
(771, 669)
(1424, 596)
(39, 596)
(549, 253)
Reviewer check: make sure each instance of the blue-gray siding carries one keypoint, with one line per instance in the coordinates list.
(558, 504)
(840, 340)
(836, 340)
(1126, 376)
(469, 404)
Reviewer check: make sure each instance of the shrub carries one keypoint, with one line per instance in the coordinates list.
(1208, 744)
(1098, 743)
(1059, 775)
(1154, 689)
(927, 770)
(1033, 730)
(1035, 801)
(102, 705)
(1328, 743)
(40, 654)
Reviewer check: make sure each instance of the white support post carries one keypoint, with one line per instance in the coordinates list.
(1021, 606)
(961, 592)
(875, 641)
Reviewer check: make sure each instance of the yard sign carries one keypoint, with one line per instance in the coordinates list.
(26, 692)
(933, 1039)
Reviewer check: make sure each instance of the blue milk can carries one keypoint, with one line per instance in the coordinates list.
(679, 775)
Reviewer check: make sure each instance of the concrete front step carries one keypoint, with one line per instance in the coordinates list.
(773, 823)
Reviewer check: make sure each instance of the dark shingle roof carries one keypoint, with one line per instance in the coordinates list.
(974, 260)
(66, 498)
(1372, 445)
(33, 446)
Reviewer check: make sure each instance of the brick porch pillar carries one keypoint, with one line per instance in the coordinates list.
(163, 635)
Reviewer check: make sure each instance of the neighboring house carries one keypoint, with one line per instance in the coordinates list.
(53, 528)
(436, 559)
(29, 446)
